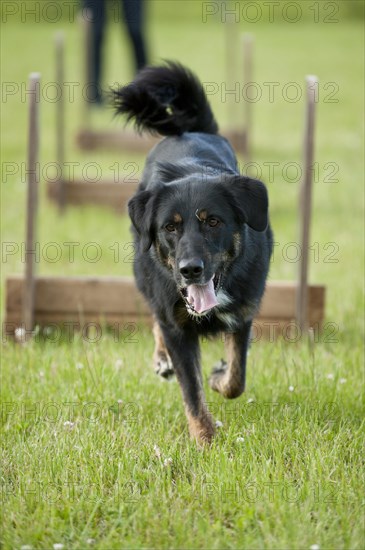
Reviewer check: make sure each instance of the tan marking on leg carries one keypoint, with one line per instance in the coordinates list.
(159, 340)
(234, 359)
(228, 382)
(201, 427)
(160, 351)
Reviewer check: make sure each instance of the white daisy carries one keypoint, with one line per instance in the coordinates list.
(20, 334)
(69, 424)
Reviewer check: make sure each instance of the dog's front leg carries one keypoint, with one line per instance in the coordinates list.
(183, 348)
(161, 360)
(229, 379)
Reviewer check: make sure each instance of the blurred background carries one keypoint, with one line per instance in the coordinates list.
(291, 40)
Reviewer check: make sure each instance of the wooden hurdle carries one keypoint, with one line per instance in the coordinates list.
(77, 191)
(108, 192)
(116, 301)
(129, 140)
(287, 307)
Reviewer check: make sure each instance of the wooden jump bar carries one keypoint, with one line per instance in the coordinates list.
(129, 140)
(106, 193)
(122, 140)
(116, 299)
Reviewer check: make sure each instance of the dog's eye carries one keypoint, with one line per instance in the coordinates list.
(213, 222)
(170, 227)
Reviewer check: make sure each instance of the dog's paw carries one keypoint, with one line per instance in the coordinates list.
(218, 372)
(164, 367)
(220, 367)
(202, 429)
(221, 381)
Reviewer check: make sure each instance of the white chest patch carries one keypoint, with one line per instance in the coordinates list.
(223, 298)
(229, 319)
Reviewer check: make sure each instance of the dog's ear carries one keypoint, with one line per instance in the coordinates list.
(251, 202)
(140, 209)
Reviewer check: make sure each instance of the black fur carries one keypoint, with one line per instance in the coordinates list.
(192, 205)
(167, 100)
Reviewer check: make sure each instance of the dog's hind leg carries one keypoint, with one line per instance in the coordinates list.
(162, 363)
(229, 378)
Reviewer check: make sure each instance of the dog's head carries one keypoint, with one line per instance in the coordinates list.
(197, 230)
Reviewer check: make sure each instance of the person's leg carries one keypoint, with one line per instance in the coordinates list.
(98, 17)
(134, 17)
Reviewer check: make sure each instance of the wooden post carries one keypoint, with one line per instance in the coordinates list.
(32, 203)
(305, 204)
(247, 40)
(231, 74)
(60, 123)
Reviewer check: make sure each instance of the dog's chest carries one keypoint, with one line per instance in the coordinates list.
(231, 321)
(229, 315)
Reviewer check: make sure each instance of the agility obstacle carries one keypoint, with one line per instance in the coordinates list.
(76, 191)
(128, 140)
(115, 194)
(37, 300)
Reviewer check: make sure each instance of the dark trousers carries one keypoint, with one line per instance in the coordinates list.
(133, 12)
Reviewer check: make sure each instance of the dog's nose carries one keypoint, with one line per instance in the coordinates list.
(191, 269)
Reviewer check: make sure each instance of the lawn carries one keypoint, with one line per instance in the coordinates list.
(95, 449)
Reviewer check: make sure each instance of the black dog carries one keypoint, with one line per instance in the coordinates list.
(202, 234)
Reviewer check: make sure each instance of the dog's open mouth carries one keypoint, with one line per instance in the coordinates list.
(201, 298)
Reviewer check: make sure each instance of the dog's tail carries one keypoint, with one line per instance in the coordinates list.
(166, 100)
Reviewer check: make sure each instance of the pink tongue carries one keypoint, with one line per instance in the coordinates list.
(202, 297)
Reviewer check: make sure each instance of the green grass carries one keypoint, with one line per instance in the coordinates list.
(296, 478)
(292, 482)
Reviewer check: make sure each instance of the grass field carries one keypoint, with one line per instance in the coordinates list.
(95, 449)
